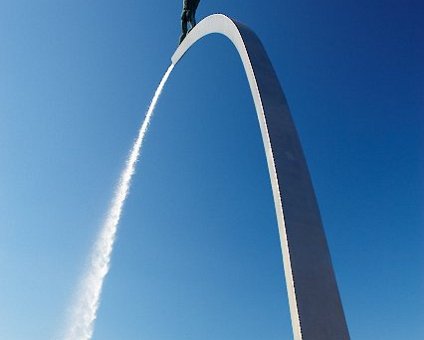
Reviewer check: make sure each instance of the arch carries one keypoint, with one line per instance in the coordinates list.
(315, 307)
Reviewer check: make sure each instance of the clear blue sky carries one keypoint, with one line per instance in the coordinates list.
(197, 255)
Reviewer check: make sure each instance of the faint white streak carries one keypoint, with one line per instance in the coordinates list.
(84, 311)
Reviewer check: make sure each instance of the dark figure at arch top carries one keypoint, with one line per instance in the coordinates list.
(188, 16)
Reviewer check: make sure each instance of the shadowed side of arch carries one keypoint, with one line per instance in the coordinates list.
(315, 307)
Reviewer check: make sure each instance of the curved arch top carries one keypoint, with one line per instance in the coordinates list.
(315, 307)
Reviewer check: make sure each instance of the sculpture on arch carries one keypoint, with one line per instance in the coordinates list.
(188, 15)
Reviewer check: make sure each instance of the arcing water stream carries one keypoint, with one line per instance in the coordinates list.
(84, 311)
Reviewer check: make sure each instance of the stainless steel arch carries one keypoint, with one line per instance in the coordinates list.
(315, 306)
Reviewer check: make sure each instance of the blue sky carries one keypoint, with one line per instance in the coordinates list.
(197, 254)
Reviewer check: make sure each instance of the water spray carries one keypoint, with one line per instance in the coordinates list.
(84, 311)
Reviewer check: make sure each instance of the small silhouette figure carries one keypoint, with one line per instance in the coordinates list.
(188, 16)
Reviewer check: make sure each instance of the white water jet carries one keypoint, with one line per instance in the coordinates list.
(84, 311)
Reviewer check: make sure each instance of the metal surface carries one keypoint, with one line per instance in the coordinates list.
(315, 306)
